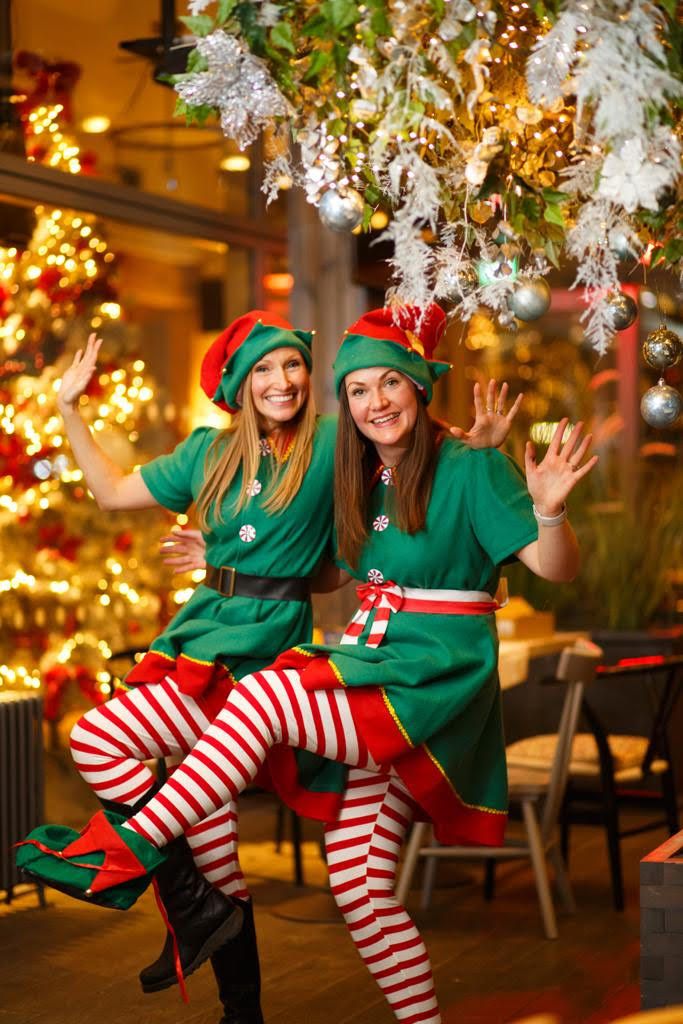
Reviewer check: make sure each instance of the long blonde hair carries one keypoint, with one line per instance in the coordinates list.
(238, 446)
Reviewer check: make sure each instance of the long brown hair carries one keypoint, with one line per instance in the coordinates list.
(239, 446)
(355, 463)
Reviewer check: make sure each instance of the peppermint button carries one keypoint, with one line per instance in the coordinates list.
(265, 447)
(247, 533)
(380, 523)
(375, 576)
(254, 488)
(387, 476)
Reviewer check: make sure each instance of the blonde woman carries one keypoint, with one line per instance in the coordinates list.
(263, 493)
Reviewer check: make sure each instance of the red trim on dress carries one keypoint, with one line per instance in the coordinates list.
(454, 822)
(280, 774)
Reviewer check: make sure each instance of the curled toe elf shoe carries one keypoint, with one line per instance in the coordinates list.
(104, 864)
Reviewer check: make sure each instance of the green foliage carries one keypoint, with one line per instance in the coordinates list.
(198, 24)
(628, 552)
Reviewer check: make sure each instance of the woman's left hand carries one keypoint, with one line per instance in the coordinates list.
(491, 423)
(551, 481)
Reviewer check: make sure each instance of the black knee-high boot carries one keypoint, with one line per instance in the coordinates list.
(238, 974)
(199, 918)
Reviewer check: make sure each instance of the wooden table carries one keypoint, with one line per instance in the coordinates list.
(514, 655)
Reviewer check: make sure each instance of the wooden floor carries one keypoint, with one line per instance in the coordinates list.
(74, 964)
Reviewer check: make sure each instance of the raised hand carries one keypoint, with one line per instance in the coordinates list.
(491, 423)
(185, 550)
(551, 481)
(76, 379)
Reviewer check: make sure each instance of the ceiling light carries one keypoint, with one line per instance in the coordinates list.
(96, 124)
(235, 162)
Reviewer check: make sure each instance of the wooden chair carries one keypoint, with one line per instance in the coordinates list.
(539, 792)
(607, 769)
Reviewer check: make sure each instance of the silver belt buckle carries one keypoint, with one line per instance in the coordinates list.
(229, 590)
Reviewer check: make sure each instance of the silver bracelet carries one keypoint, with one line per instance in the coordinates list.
(550, 520)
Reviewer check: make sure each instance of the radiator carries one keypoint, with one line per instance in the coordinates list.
(21, 777)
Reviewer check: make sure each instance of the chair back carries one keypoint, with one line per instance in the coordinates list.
(576, 667)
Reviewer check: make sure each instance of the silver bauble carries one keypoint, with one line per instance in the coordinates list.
(530, 299)
(455, 286)
(661, 405)
(621, 246)
(622, 309)
(662, 348)
(341, 211)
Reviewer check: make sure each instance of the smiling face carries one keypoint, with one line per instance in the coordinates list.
(280, 383)
(383, 404)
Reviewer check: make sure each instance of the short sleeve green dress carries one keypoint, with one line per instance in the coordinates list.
(427, 699)
(214, 639)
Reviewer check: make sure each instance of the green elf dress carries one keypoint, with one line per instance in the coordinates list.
(419, 660)
(214, 638)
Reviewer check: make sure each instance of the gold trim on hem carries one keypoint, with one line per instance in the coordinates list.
(392, 711)
(336, 672)
(196, 661)
(470, 807)
(160, 654)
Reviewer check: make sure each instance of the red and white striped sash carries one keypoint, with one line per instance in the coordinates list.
(388, 597)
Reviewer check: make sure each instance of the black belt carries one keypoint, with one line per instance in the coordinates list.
(230, 583)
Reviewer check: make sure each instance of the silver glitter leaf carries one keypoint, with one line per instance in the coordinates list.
(238, 84)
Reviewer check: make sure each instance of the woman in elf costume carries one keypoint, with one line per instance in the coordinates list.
(406, 708)
(262, 488)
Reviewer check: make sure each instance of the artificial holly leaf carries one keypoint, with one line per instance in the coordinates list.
(281, 36)
(320, 59)
(553, 215)
(225, 9)
(197, 62)
(439, 7)
(342, 13)
(551, 195)
(552, 252)
(316, 26)
(198, 24)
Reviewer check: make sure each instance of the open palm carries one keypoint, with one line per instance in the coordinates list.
(77, 377)
(491, 423)
(551, 481)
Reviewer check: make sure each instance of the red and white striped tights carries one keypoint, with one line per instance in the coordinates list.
(265, 709)
(109, 744)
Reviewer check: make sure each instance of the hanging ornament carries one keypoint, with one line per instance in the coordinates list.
(530, 299)
(661, 405)
(662, 348)
(341, 211)
(622, 248)
(457, 285)
(622, 310)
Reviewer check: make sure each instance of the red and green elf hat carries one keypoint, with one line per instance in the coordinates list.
(402, 339)
(240, 346)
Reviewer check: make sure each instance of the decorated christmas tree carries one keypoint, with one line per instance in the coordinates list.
(76, 584)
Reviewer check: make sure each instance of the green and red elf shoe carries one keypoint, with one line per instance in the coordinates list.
(105, 864)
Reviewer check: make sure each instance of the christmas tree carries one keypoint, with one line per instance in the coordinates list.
(76, 584)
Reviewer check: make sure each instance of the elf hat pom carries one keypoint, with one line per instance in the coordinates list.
(240, 346)
(401, 339)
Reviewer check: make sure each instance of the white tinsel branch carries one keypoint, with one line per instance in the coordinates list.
(589, 243)
(551, 59)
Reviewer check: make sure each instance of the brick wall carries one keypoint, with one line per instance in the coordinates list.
(661, 925)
